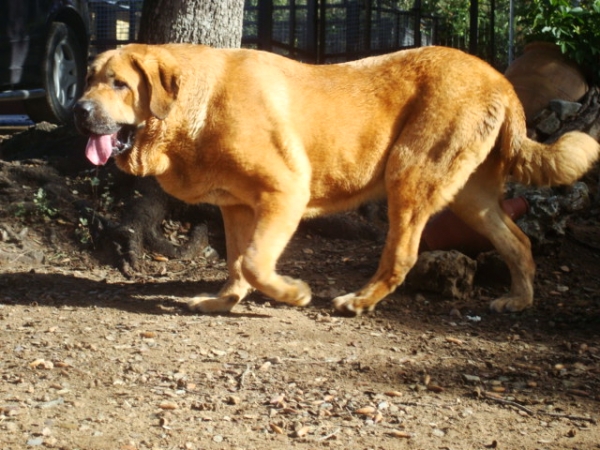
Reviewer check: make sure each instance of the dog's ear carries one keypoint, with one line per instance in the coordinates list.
(162, 75)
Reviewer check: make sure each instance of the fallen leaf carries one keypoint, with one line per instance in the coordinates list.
(393, 393)
(276, 429)
(168, 405)
(453, 340)
(400, 434)
(303, 431)
(366, 411)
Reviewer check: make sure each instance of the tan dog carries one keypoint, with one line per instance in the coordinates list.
(270, 141)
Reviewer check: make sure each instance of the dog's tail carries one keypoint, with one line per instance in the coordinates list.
(560, 163)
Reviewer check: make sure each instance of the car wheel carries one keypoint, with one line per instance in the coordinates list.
(63, 70)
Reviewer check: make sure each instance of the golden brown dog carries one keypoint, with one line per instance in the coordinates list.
(270, 141)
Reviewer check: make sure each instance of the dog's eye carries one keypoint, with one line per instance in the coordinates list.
(119, 84)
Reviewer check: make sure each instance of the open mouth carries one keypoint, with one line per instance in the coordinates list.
(101, 147)
(124, 139)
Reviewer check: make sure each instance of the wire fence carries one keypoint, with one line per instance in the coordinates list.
(318, 31)
(113, 23)
(334, 30)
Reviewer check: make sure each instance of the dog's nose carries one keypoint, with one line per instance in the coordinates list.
(83, 109)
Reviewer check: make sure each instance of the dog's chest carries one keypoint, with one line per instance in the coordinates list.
(195, 192)
(219, 197)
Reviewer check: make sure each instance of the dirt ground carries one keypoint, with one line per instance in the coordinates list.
(90, 359)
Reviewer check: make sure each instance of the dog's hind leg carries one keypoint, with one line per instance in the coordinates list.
(424, 172)
(478, 205)
(239, 227)
(410, 203)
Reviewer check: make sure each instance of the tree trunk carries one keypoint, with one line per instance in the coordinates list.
(217, 23)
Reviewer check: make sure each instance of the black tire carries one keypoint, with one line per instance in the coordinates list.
(63, 71)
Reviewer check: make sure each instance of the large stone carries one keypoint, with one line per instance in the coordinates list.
(564, 109)
(449, 273)
(549, 125)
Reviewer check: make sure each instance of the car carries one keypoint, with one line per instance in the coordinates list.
(43, 55)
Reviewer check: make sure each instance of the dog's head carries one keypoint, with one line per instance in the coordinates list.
(125, 88)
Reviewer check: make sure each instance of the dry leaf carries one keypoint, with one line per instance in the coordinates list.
(302, 431)
(400, 434)
(366, 411)
(277, 400)
(393, 393)
(41, 364)
(168, 405)
(276, 429)
(148, 334)
(453, 340)
(434, 388)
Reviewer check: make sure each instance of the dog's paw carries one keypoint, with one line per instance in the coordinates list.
(298, 294)
(350, 304)
(510, 304)
(206, 303)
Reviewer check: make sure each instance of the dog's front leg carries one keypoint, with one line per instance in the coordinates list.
(277, 217)
(239, 225)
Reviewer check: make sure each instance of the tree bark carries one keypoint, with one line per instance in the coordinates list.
(217, 23)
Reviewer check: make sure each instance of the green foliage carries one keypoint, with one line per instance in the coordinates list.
(43, 206)
(40, 208)
(101, 192)
(573, 26)
(103, 202)
(492, 38)
(454, 12)
(83, 231)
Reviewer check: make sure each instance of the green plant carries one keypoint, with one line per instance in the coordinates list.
(39, 208)
(573, 25)
(101, 192)
(42, 204)
(83, 232)
(19, 210)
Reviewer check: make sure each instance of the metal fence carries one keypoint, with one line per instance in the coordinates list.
(317, 31)
(113, 23)
(324, 31)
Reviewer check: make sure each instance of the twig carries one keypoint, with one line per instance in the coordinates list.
(533, 413)
(509, 403)
(425, 405)
(568, 416)
(330, 435)
(243, 376)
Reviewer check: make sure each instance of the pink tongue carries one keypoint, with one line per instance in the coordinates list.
(99, 148)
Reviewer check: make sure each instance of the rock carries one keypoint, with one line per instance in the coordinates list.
(449, 273)
(471, 378)
(564, 109)
(549, 124)
(32, 258)
(550, 209)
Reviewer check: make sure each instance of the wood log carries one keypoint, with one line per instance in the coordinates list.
(587, 120)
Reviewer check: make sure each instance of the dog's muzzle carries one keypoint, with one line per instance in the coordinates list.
(106, 137)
